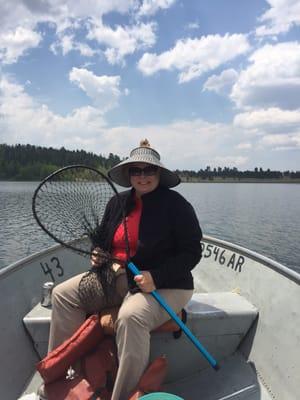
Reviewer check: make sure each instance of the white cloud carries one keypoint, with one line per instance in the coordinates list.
(150, 7)
(280, 17)
(272, 79)
(230, 161)
(122, 40)
(14, 44)
(281, 142)
(244, 146)
(85, 50)
(24, 120)
(273, 127)
(221, 83)
(19, 20)
(11, 93)
(68, 43)
(193, 57)
(12, 13)
(62, 13)
(97, 8)
(184, 144)
(65, 43)
(270, 120)
(103, 90)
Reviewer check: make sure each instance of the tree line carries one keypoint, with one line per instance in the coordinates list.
(28, 162)
(211, 174)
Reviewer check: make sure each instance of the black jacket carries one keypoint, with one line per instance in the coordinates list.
(169, 236)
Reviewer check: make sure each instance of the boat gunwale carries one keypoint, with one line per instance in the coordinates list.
(23, 261)
(268, 262)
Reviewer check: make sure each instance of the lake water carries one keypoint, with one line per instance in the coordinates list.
(261, 217)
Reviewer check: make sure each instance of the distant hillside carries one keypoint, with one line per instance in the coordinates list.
(27, 162)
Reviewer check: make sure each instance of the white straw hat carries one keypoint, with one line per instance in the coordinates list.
(144, 153)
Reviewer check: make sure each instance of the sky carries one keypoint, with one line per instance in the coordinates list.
(209, 83)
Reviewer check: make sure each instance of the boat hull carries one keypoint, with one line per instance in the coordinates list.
(272, 345)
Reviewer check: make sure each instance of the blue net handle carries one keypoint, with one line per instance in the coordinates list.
(133, 268)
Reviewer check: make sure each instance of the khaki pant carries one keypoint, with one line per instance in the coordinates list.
(139, 314)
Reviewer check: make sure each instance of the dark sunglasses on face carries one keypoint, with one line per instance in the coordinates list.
(150, 170)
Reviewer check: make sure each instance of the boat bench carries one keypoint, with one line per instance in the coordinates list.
(37, 325)
(218, 320)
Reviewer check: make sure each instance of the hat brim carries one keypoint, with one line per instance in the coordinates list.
(119, 173)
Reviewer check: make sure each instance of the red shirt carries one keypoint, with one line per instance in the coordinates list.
(132, 222)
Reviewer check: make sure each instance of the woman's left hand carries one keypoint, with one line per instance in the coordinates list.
(145, 282)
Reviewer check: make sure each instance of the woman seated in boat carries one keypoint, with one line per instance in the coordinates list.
(164, 242)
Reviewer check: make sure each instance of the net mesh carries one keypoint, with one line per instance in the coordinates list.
(97, 287)
(96, 290)
(70, 206)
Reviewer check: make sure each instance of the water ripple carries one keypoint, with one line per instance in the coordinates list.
(260, 217)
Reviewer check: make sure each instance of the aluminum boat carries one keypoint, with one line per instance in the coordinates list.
(245, 311)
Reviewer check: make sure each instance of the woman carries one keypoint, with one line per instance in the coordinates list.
(164, 240)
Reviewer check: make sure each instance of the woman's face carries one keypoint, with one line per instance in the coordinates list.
(144, 178)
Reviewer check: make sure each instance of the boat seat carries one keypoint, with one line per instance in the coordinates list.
(219, 320)
(37, 323)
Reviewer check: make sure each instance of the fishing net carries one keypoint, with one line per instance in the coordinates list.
(69, 205)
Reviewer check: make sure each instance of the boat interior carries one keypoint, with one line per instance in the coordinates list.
(241, 312)
(222, 321)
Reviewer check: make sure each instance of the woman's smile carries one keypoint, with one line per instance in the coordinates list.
(144, 184)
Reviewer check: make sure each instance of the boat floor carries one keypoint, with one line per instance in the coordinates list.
(236, 379)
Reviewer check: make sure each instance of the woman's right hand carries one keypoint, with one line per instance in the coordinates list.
(96, 258)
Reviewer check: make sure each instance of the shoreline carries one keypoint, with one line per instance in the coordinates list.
(237, 180)
(197, 180)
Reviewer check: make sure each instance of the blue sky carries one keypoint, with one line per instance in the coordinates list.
(207, 82)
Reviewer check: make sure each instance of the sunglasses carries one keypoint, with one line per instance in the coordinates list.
(150, 170)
